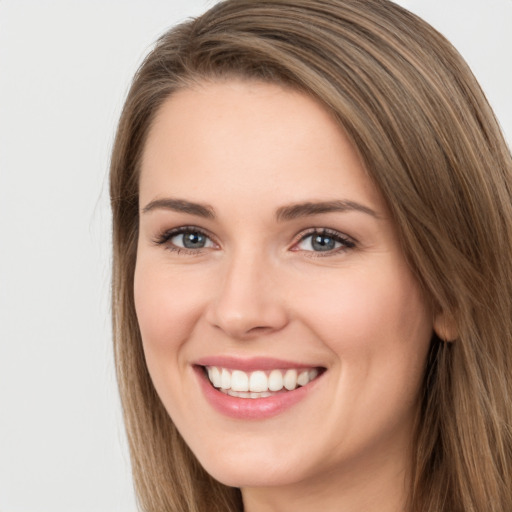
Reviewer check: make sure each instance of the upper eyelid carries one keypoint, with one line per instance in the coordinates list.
(323, 230)
(347, 242)
(166, 235)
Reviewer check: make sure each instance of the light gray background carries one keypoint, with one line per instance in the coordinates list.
(65, 66)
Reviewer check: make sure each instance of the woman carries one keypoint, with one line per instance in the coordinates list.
(312, 283)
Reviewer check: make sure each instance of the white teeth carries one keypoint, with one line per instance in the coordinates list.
(258, 384)
(258, 381)
(225, 379)
(242, 394)
(214, 375)
(303, 378)
(290, 379)
(275, 380)
(239, 381)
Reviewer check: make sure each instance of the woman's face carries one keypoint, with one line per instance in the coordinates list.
(267, 258)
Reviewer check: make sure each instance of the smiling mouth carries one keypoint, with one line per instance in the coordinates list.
(259, 383)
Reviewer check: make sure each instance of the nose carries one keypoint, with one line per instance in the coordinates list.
(249, 301)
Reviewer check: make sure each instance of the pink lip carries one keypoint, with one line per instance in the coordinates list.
(251, 408)
(249, 365)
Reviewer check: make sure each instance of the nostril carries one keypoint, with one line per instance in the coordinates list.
(242, 329)
(260, 330)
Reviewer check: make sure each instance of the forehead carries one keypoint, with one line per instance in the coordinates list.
(239, 136)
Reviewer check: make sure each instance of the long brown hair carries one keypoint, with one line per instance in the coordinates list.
(433, 147)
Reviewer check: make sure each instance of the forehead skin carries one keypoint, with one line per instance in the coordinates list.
(203, 109)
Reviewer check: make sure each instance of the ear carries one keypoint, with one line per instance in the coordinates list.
(445, 327)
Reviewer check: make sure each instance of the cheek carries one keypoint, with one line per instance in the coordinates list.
(379, 329)
(386, 303)
(167, 307)
(377, 323)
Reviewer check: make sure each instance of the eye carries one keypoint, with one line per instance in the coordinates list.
(324, 241)
(185, 238)
(191, 240)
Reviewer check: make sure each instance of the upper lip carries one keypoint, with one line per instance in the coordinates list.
(250, 364)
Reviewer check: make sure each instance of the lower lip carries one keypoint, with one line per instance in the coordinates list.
(251, 408)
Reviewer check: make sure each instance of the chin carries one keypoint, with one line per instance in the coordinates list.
(242, 470)
(251, 476)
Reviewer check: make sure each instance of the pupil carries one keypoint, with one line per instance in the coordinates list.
(323, 243)
(193, 240)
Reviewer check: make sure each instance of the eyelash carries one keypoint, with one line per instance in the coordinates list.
(166, 236)
(346, 242)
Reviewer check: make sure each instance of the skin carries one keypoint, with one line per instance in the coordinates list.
(258, 288)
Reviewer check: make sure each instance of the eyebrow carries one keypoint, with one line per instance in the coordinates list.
(180, 205)
(284, 213)
(294, 211)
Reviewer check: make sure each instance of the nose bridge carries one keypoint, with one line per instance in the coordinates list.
(248, 300)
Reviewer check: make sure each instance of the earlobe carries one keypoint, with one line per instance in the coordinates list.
(445, 327)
